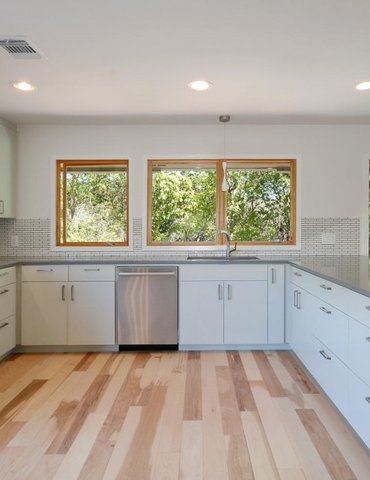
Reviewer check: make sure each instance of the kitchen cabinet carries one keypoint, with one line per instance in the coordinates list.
(223, 305)
(64, 305)
(276, 303)
(7, 310)
(336, 344)
(8, 139)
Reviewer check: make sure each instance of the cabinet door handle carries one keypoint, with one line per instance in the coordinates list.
(1, 207)
(220, 292)
(4, 291)
(297, 274)
(229, 291)
(295, 298)
(273, 275)
(325, 355)
(72, 293)
(45, 270)
(325, 310)
(325, 287)
(91, 269)
(368, 339)
(4, 274)
(367, 399)
(298, 299)
(368, 307)
(63, 293)
(5, 324)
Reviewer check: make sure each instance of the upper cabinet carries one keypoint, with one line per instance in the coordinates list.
(8, 139)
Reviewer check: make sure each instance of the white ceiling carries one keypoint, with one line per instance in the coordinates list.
(129, 61)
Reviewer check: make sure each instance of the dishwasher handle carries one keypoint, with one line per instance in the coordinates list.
(146, 274)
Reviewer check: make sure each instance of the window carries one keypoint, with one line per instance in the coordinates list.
(92, 203)
(186, 204)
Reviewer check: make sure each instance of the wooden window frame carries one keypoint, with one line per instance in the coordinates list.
(65, 163)
(221, 199)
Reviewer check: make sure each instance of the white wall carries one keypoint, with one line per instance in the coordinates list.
(333, 159)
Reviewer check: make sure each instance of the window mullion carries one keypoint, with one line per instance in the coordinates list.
(221, 221)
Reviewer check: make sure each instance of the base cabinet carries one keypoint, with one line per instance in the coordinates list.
(7, 310)
(64, 305)
(223, 305)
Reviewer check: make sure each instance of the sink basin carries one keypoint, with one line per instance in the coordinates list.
(219, 258)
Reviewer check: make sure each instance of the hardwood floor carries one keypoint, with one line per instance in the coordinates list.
(170, 415)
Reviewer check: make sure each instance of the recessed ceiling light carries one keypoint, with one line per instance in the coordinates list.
(24, 86)
(363, 86)
(200, 85)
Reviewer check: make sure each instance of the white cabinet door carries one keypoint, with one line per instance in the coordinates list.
(7, 335)
(276, 304)
(91, 313)
(7, 171)
(301, 324)
(201, 313)
(44, 313)
(245, 312)
(359, 407)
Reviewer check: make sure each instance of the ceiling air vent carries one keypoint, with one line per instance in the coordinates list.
(19, 48)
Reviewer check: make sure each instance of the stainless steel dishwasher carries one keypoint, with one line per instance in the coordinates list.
(146, 307)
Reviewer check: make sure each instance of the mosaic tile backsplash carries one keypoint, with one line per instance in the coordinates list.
(320, 236)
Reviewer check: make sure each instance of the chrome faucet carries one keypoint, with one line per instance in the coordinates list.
(228, 241)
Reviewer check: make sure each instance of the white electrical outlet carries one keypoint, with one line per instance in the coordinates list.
(14, 241)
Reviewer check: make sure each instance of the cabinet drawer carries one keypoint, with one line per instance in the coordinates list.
(356, 305)
(81, 273)
(359, 350)
(359, 407)
(7, 275)
(7, 335)
(45, 273)
(224, 272)
(331, 374)
(7, 301)
(330, 326)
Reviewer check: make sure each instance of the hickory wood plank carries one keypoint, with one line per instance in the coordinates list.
(296, 370)
(271, 381)
(14, 368)
(166, 466)
(292, 389)
(8, 431)
(127, 395)
(138, 461)
(231, 420)
(291, 474)
(66, 366)
(309, 458)
(121, 447)
(46, 467)
(76, 456)
(281, 448)
(191, 458)
(214, 452)
(346, 440)
(333, 459)
(264, 467)
(250, 366)
(243, 391)
(193, 390)
(238, 460)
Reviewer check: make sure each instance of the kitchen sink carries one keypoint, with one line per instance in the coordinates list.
(219, 258)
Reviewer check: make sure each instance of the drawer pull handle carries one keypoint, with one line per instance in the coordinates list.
(368, 339)
(297, 274)
(5, 324)
(220, 293)
(368, 307)
(325, 355)
(91, 269)
(325, 287)
(73, 293)
(4, 291)
(4, 274)
(367, 399)
(45, 270)
(325, 310)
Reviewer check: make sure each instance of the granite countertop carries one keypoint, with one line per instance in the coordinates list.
(349, 271)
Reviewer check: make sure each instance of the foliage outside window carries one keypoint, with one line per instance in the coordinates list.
(92, 203)
(186, 205)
